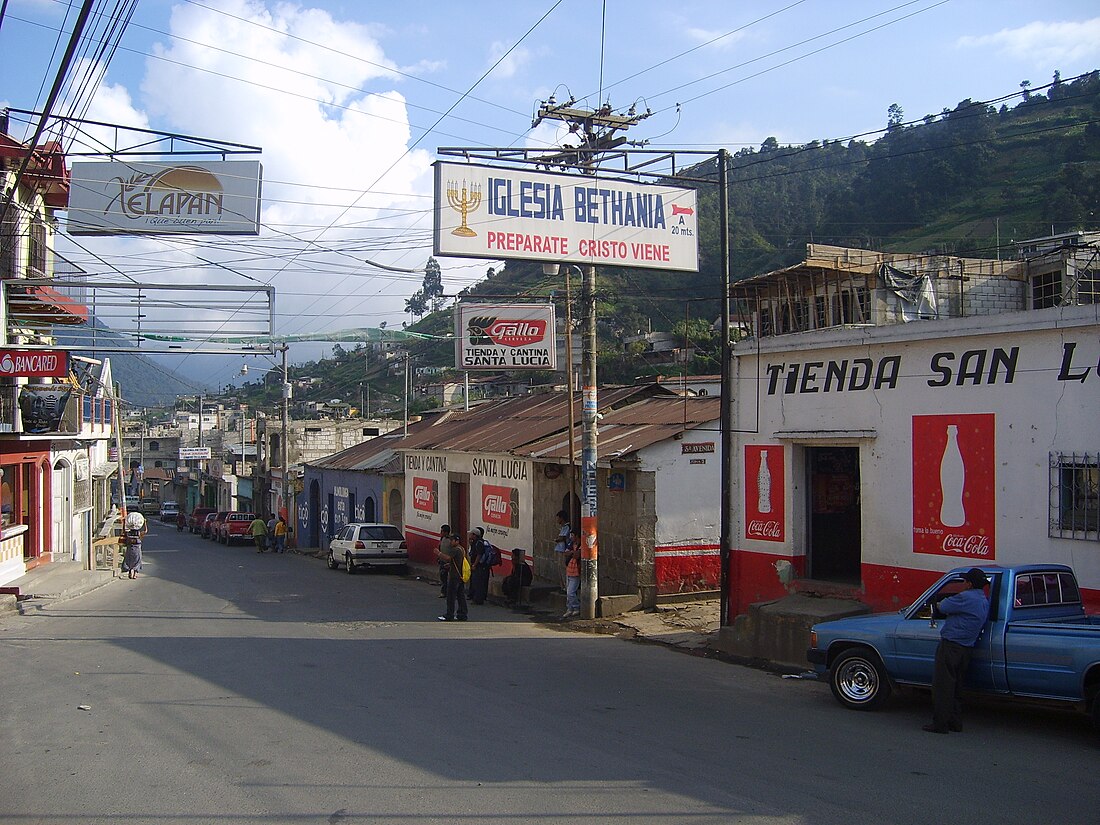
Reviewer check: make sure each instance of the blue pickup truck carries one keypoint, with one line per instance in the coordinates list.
(1038, 644)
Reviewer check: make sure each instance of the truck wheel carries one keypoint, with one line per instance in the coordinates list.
(1096, 713)
(858, 680)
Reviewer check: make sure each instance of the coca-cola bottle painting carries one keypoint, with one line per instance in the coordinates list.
(764, 485)
(952, 481)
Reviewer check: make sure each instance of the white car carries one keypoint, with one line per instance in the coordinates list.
(169, 510)
(368, 545)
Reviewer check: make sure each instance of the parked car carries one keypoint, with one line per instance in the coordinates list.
(212, 523)
(198, 517)
(1038, 643)
(368, 545)
(235, 527)
(169, 511)
(133, 504)
(150, 506)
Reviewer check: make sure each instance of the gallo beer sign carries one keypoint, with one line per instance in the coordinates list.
(505, 337)
(37, 364)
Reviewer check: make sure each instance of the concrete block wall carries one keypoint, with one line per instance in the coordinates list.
(993, 294)
(627, 533)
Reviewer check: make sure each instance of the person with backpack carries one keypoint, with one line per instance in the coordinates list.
(454, 558)
(481, 565)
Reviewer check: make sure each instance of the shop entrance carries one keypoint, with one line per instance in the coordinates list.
(459, 505)
(834, 542)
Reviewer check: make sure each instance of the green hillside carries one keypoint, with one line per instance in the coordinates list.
(970, 180)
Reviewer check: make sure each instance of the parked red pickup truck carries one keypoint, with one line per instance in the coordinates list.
(236, 528)
(198, 516)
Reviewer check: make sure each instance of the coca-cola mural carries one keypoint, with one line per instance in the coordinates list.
(425, 494)
(954, 493)
(765, 519)
(500, 505)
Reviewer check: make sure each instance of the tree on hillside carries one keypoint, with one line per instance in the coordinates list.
(895, 116)
(433, 284)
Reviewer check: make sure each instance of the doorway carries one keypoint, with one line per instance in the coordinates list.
(834, 547)
(459, 514)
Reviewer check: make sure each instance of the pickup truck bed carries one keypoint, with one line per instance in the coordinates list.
(1037, 644)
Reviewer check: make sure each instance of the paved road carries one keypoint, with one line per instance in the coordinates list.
(228, 687)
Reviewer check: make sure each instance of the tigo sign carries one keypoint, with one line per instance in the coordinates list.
(39, 364)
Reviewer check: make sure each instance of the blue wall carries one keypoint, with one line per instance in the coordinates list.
(323, 507)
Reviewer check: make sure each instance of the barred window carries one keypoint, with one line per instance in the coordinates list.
(1075, 496)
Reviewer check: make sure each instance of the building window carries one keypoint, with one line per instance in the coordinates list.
(154, 446)
(1075, 496)
(1046, 290)
(37, 257)
(765, 322)
(821, 312)
(1088, 287)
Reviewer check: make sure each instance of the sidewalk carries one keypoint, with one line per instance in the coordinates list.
(687, 626)
(48, 584)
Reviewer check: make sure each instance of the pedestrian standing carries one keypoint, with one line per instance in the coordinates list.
(561, 543)
(444, 552)
(133, 530)
(572, 577)
(964, 615)
(280, 535)
(454, 558)
(258, 529)
(271, 534)
(481, 566)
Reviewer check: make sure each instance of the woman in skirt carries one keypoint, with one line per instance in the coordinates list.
(135, 528)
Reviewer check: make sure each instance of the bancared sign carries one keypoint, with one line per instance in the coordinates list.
(198, 198)
(489, 212)
(194, 453)
(505, 337)
(37, 364)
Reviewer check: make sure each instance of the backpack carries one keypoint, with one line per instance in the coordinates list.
(494, 553)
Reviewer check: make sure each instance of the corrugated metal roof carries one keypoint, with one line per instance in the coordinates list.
(537, 426)
(632, 428)
(509, 424)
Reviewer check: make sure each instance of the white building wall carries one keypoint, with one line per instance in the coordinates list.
(1039, 405)
(688, 487)
(489, 476)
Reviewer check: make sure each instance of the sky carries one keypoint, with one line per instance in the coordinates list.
(350, 101)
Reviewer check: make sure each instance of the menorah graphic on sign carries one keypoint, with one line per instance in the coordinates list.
(463, 200)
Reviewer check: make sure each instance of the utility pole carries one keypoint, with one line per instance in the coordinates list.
(286, 439)
(596, 130)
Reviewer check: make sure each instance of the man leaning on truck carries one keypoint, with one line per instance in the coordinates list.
(964, 615)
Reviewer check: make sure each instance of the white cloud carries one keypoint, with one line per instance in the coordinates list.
(335, 135)
(1043, 44)
(714, 38)
(511, 64)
